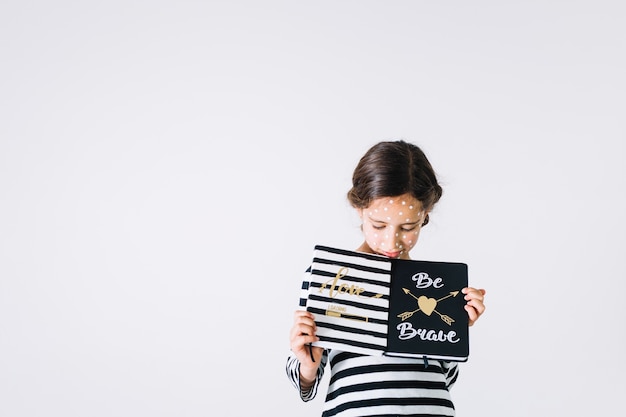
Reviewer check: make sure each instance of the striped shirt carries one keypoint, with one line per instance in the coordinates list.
(381, 386)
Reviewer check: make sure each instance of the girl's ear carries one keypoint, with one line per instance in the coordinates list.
(360, 213)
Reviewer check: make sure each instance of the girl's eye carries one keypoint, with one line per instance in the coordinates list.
(378, 227)
(409, 229)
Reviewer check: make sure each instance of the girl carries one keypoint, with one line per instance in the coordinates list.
(394, 188)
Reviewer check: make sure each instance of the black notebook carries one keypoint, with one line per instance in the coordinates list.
(375, 305)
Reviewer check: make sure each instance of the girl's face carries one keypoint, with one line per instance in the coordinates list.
(391, 225)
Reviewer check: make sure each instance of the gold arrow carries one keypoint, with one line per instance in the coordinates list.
(447, 319)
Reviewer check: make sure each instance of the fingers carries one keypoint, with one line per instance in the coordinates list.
(473, 292)
(475, 306)
(304, 316)
(302, 334)
(303, 323)
(303, 330)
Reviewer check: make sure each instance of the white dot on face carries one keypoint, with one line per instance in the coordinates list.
(400, 214)
(408, 220)
(397, 234)
(404, 203)
(390, 201)
(388, 218)
(411, 207)
(385, 209)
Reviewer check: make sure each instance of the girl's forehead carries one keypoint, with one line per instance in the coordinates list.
(399, 205)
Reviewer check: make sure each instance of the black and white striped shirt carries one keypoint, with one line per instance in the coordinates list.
(381, 386)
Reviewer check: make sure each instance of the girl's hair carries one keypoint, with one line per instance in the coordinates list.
(393, 168)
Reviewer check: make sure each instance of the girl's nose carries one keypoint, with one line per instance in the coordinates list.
(393, 241)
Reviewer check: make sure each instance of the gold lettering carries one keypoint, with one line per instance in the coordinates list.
(335, 289)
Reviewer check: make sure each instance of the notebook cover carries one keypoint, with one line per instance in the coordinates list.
(374, 305)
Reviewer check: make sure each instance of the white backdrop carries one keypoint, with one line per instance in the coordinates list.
(167, 166)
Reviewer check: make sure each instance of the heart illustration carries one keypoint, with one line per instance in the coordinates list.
(427, 305)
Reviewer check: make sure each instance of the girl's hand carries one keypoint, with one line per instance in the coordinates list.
(302, 333)
(475, 303)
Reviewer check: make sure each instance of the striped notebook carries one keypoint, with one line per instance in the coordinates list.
(375, 305)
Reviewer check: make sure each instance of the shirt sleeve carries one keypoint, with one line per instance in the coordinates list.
(451, 370)
(293, 373)
(293, 364)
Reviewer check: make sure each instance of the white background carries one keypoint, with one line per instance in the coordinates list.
(167, 166)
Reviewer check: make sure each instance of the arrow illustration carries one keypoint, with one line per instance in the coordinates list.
(452, 294)
(446, 319)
